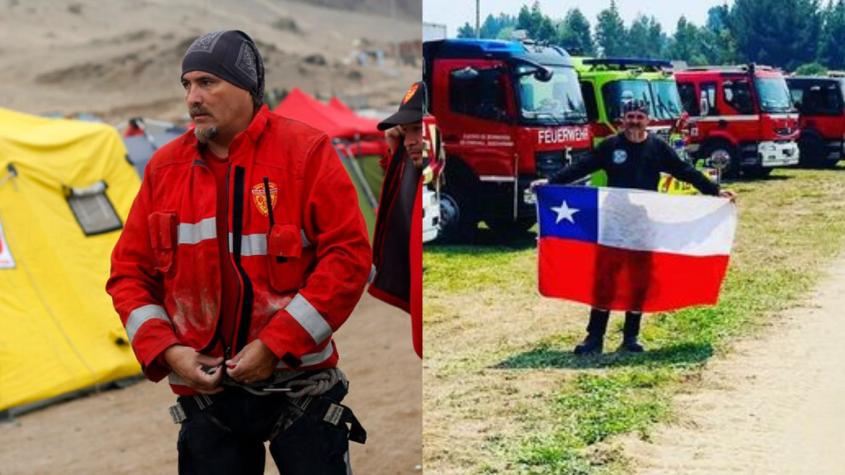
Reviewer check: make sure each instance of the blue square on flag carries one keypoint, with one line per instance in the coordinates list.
(568, 212)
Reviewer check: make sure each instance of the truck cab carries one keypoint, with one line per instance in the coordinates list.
(509, 112)
(819, 100)
(607, 83)
(740, 115)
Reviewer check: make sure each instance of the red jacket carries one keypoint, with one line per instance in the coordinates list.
(300, 277)
(397, 242)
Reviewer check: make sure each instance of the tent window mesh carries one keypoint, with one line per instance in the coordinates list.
(93, 210)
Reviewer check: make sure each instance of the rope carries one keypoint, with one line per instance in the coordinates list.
(313, 385)
(316, 384)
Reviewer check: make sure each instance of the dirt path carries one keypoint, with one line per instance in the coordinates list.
(128, 431)
(774, 405)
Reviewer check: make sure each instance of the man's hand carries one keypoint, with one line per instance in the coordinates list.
(728, 194)
(534, 184)
(394, 136)
(201, 372)
(255, 362)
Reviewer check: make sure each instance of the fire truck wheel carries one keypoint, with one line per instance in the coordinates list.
(812, 150)
(458, 223)
(832, 163)
(721, 148)
(510, 229)
(458, 205)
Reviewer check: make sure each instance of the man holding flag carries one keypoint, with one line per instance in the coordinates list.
(614, 244)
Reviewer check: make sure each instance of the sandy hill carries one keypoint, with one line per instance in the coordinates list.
(409, 9)
(122, 58)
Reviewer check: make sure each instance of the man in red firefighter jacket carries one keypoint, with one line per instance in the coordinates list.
(243, 253)
(397, 241)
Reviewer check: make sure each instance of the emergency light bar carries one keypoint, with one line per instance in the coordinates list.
(741, 68)
(490, 46)
(629, 62)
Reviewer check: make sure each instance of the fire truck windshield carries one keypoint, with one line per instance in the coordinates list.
(616, 93)
(555, 101)
(774, 94)
(667, 103)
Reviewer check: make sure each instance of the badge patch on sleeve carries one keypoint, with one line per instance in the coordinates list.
(259, 197)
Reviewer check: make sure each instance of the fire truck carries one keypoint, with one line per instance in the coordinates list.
(607, 83)
(819, 100)
(509, 112)
(741, 116)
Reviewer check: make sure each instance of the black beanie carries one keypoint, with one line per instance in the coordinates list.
(230, 55)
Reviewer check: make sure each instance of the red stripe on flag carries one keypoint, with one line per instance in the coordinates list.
(621, 279)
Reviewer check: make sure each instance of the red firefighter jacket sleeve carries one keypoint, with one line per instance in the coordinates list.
(135, 284)
(343, 259)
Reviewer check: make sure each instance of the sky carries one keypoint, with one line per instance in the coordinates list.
(454, 13)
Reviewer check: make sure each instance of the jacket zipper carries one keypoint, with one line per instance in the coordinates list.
(241, 328)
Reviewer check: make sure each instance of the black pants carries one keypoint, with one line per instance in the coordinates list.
(228, 436)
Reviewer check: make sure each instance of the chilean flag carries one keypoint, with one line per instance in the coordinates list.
(621, 249)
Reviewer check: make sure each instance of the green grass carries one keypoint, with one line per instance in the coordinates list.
(790, 227)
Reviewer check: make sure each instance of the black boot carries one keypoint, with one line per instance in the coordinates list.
(594, 343)
(630, 332)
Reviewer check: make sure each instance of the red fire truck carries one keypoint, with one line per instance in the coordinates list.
(509, 112)
(820, 102)
(741, 116)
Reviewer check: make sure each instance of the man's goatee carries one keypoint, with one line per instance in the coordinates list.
(204, 135)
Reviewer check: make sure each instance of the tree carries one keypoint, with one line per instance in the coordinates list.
(782, 33)
(538, 26)
(466, 31)
(811, 69)
(831, 51)
(717, 37)
(646, 38)
(610, 32)
(492, 26)
(718, 18)
(686, 43)
(573, 33)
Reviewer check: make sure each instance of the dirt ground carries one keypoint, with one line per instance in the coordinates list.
(773, 405)
(129, 431)
(122, 58)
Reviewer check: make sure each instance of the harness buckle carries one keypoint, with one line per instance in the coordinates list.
(177, 413)
(333, 414)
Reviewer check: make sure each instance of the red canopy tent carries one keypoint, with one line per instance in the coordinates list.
(335, 119)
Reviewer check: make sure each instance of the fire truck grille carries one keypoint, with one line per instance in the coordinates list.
(548, 162)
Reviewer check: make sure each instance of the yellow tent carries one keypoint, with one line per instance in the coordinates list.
(65, 190)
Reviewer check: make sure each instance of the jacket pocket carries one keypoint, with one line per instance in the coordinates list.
(284, 258)
(163, 239)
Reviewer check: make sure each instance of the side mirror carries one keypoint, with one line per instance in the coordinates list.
(729, 94)
(704, 104)
(543, 75)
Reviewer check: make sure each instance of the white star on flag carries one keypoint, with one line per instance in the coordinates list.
(564, 212)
